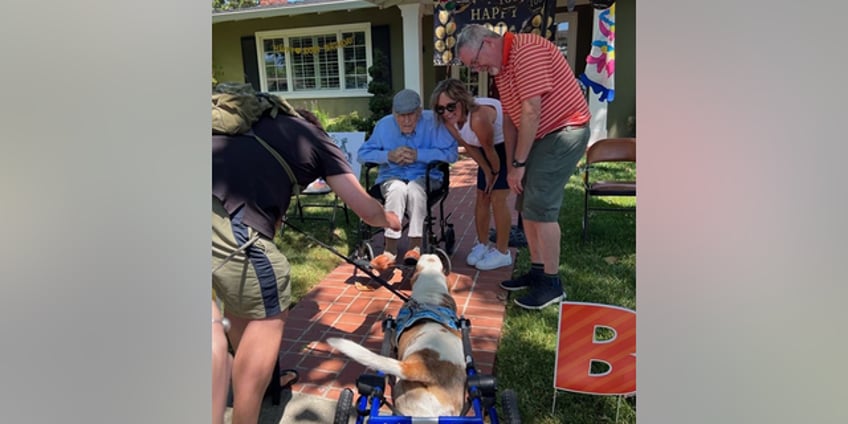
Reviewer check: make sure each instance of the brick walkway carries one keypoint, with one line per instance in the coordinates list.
(335, 308)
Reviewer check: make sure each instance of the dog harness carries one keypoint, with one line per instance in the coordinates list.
(412, 312)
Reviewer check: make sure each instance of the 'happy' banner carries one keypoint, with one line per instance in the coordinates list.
(449, 17)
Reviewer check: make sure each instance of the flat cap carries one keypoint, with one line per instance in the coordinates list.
(406, 101)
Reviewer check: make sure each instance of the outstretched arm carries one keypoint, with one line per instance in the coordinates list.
(368, 208)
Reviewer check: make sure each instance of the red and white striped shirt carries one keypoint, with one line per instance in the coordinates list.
(534, 66)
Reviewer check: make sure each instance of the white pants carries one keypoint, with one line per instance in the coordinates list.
(400, 197)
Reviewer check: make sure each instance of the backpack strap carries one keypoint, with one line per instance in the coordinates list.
(286, 167)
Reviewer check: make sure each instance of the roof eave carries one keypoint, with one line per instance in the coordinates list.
(291, 10)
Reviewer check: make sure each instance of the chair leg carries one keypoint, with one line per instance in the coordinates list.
(585, 215)
(300, 210)
(347, 217)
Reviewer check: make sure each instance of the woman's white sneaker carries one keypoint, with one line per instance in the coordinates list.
(494, 259)
(477, 252)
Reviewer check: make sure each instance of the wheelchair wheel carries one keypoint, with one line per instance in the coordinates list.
(450, 240)
(362, 256)
(509, 405)
(343, 407)
(445, 258)
(364, 252)
(367, 251)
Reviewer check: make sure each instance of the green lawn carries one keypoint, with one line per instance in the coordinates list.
(603, 270)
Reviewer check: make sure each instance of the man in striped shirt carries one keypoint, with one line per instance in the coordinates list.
(541, 98)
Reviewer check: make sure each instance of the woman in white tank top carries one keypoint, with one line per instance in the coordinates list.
(478, 125)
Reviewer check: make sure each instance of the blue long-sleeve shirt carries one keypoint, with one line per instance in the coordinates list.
(433, 142)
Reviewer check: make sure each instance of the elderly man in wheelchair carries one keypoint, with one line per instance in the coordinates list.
(405, 145)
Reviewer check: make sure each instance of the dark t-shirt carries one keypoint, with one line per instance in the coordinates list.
(245, 174)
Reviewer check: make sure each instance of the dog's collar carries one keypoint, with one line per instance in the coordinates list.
(412, 312)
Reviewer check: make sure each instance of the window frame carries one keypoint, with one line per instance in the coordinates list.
(286, 34)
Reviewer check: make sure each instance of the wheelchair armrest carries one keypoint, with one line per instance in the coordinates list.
(442, 166)
(367, 168)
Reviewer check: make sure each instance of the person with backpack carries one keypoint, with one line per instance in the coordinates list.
(263, 151)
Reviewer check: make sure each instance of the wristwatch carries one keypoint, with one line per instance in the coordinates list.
(517, 164)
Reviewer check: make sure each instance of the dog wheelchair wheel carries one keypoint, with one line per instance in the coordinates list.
(509, 405)
(343, 407)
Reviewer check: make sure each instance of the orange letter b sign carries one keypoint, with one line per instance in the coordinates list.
(579, 347)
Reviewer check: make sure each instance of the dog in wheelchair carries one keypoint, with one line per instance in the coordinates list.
(431, 365)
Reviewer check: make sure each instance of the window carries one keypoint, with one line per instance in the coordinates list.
(314, 62)
(566, 36)
(475, 82)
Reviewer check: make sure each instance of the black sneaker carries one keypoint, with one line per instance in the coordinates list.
(541, 296)
(516, 284)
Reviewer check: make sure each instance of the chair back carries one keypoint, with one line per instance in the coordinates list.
(612, 150)
(607, 150)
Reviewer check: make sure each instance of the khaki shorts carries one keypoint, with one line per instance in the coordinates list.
(550, 164)
(254, 284)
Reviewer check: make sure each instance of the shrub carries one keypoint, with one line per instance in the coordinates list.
(349, 123)
(380, 86)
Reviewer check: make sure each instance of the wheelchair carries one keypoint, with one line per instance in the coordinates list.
(431, 241)
(481, 392)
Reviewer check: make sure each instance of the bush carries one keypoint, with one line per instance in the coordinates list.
(380, 86)
(351, 122)
(323, 118)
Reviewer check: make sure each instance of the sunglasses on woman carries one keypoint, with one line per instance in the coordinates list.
(450, 107)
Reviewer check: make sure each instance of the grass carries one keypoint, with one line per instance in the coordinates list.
(310, 262)
(603, 270)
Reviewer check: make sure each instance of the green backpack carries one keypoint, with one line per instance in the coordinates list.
(236, 107)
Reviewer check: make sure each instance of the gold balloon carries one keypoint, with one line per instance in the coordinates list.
(440, 46)
(440, 32)
(450, 27)
(444, 15)
(447, 56)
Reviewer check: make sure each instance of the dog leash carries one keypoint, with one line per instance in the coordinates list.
(362, 268)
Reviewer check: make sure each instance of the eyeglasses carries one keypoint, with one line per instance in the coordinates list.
(474, 63)
(450, 107)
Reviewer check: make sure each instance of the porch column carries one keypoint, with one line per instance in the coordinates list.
(413, 66)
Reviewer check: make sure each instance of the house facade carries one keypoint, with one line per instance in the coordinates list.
(316, 53)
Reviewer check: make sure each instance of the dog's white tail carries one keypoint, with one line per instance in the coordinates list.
(366, 357)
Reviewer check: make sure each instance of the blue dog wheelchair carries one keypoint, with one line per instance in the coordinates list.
(481, 392)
